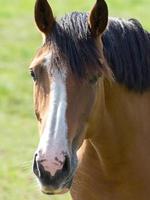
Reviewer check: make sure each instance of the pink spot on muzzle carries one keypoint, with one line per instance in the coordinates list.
(52, 163)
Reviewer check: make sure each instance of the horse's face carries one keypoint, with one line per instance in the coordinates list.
(63, 105)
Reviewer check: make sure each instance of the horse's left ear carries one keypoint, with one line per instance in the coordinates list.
(43, 16)
(98, 18)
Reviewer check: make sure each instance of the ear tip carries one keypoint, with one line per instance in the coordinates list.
(101, 2)
(41, 0)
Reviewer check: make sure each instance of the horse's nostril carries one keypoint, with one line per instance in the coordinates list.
(66, 167)
(37, 167)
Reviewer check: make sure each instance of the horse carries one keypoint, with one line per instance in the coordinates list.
(92, 101)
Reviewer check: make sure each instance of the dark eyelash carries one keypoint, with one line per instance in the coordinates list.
(33, 75)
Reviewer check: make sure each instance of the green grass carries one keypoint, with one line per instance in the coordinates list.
(18, 42)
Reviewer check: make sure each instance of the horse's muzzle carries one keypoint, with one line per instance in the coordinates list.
(57, 184)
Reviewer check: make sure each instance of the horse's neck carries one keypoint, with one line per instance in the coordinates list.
(119, 134)
(88, 182)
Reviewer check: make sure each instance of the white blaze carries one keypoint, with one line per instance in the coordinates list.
(53, 143)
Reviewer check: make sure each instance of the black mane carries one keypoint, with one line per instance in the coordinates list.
(72, 43)
(126, 49)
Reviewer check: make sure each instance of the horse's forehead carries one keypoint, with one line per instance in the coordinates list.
(42, 57)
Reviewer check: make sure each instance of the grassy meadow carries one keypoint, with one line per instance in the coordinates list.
(19, 40)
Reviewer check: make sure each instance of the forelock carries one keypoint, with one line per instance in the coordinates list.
(73, 45)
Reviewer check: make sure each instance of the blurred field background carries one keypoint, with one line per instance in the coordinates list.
(19, 40)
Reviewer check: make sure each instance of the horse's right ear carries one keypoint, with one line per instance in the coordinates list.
(43, 16)
(98, 18)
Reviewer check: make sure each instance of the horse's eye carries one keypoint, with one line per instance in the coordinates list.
(94, 79)
(33, 74)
